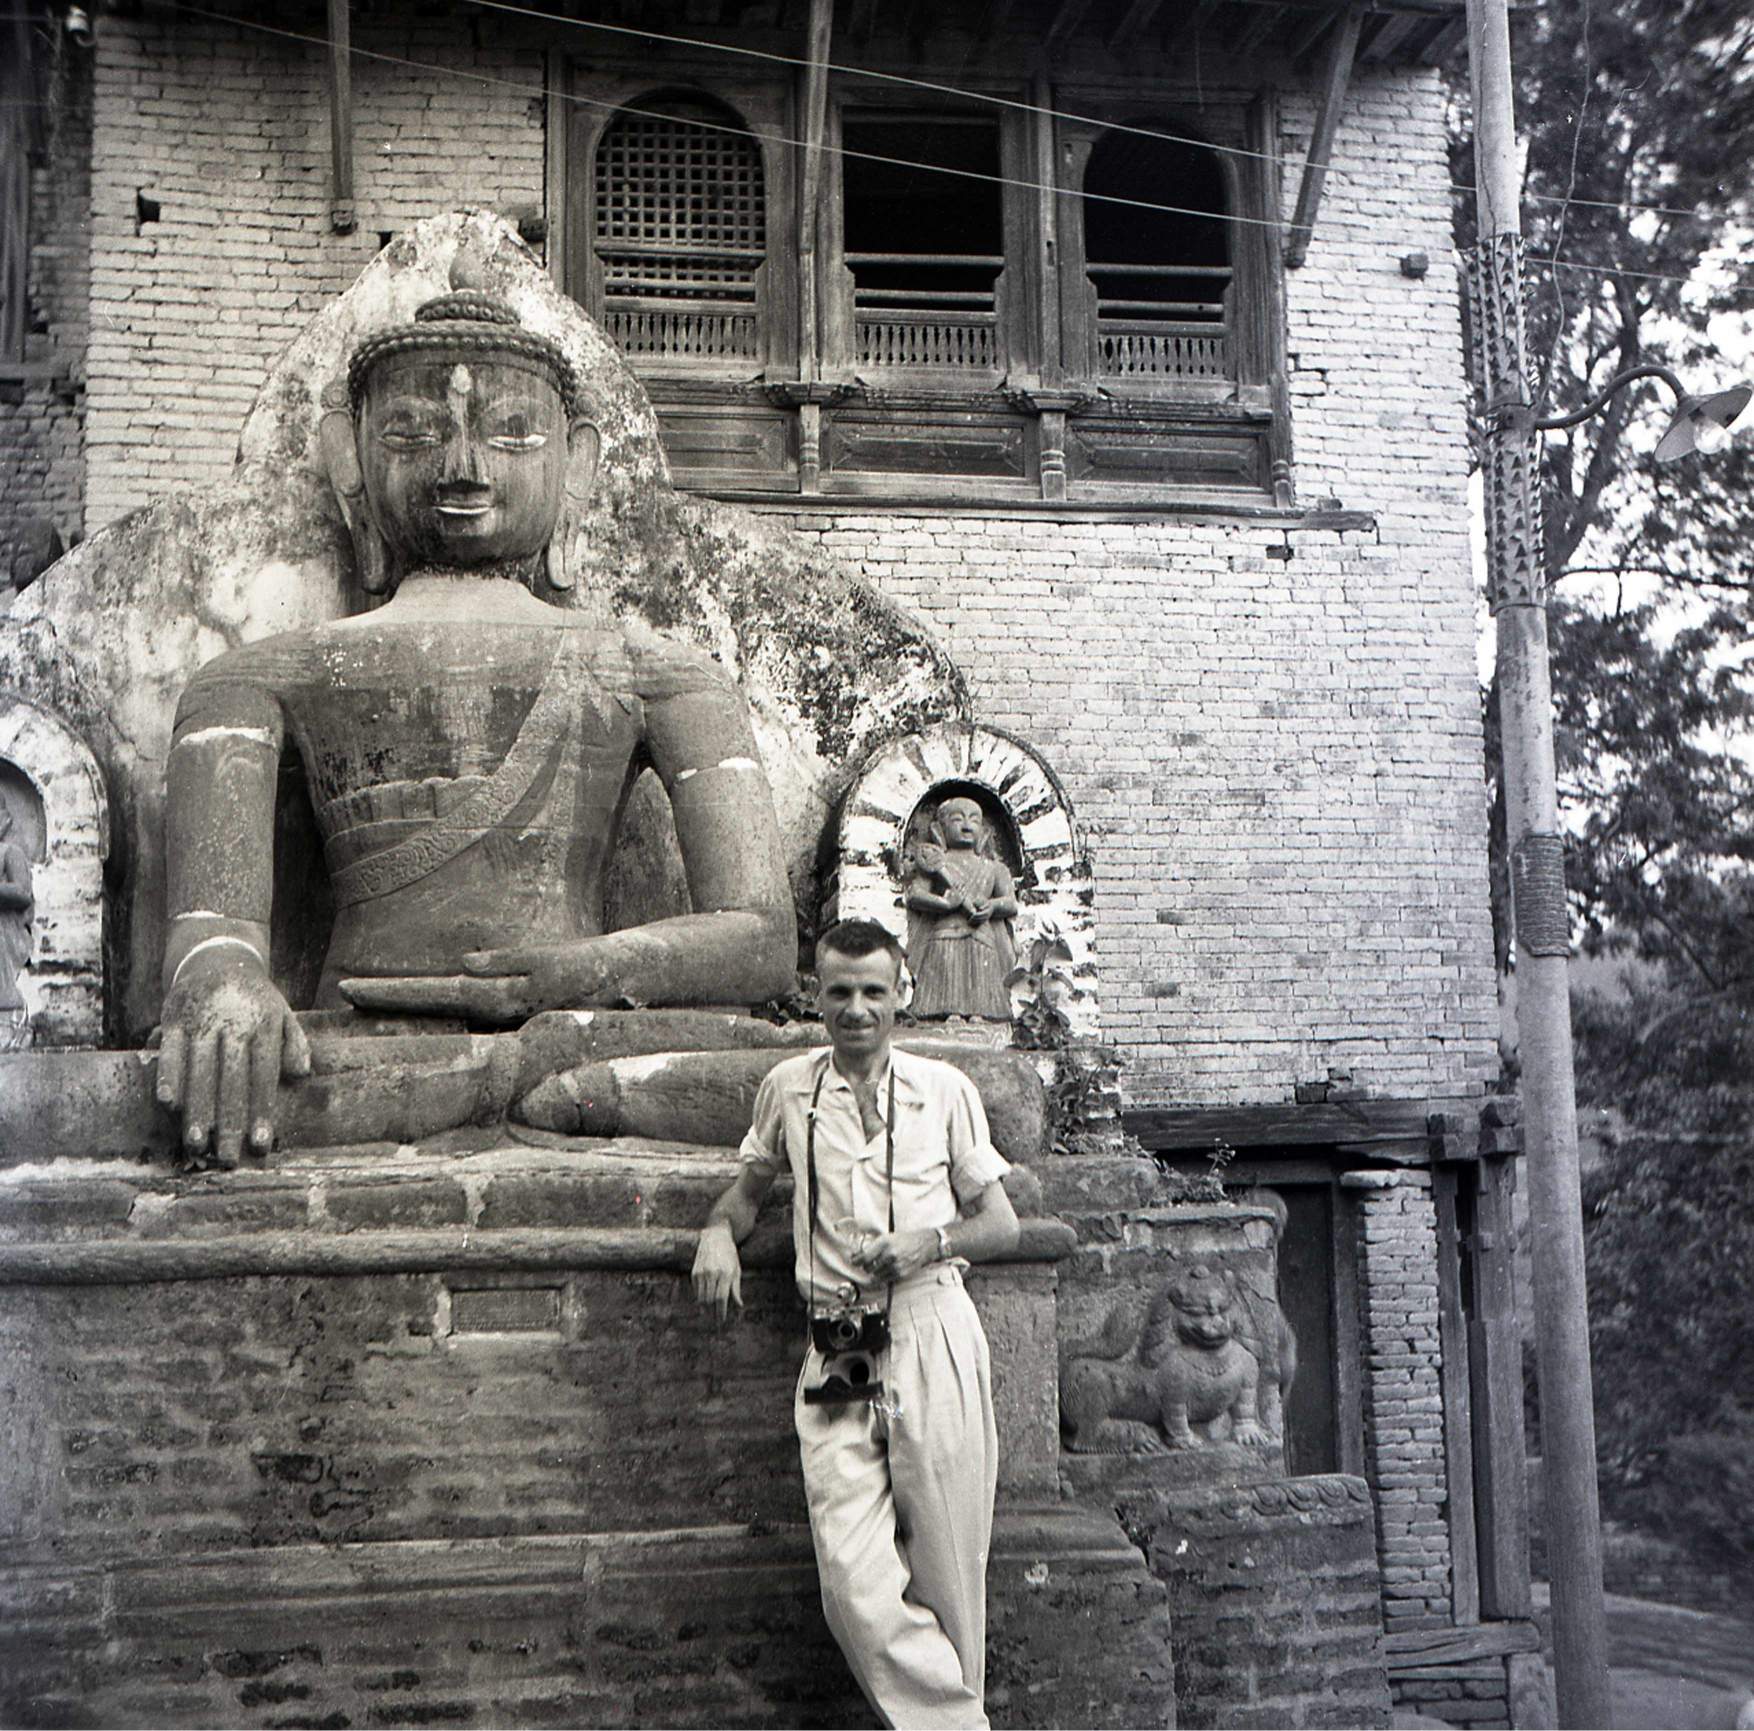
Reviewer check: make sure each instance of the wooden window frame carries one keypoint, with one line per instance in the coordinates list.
(764, 111)
(1042, 427)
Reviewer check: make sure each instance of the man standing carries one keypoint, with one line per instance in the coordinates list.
(896, 1188)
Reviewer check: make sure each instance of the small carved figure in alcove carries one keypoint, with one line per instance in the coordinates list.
(17, 907)
(961, 909)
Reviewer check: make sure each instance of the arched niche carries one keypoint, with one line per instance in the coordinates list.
(49, 777)
(903, 780)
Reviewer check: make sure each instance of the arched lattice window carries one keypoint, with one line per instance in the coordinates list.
(679, 226)
(1162, 279)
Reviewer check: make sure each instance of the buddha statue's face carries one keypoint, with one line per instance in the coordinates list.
(464, 461)
(960, 822)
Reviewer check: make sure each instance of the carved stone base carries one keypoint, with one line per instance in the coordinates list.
(703, 1626)
(1273, 1592)
(440, 1436)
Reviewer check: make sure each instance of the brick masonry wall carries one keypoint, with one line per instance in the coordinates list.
(42, 418)
(1403, 1399)
(1272, 1592)
(1271, 738)
(225, 131)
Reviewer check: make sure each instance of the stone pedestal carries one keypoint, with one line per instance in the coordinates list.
(439, 1436)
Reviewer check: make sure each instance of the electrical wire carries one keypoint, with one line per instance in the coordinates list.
(1015, 103)
(524, 88)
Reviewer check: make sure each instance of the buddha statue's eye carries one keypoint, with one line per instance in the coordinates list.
(411, 426)
(515, 427)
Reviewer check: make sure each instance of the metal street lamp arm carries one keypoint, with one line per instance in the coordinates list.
(1594, 405)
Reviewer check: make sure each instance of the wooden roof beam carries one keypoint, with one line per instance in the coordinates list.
(1266, 22)
(1306, 39)
(1070, 15)
(1194, 20)
(1135, 21)
(1341, 53)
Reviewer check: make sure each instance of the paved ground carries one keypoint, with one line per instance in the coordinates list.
(1674, 1669)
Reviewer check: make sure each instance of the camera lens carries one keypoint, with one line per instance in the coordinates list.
(843, 1331)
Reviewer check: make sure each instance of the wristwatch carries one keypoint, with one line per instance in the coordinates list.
(943, 1243)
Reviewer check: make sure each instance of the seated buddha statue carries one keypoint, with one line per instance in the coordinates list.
(468, 746)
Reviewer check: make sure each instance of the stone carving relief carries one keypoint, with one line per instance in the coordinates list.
(1210, 1362)
(885, 821)
(51, 885)
(17, 911)
(962, 911)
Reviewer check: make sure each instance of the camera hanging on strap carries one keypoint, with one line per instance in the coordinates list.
(850, 1337)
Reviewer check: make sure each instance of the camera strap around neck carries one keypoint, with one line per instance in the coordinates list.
(810, 1164)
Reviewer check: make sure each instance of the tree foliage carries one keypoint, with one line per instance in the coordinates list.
(1649, 104)
(1669, 1215)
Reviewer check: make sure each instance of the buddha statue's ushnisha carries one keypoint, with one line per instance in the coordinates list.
(467, 746)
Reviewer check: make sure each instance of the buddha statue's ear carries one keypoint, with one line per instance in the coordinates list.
(584, 445)
(338, 439)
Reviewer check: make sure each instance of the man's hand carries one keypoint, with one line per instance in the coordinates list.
(718, 1270)
(501, 987)
(228, 1039)
(896, 1255)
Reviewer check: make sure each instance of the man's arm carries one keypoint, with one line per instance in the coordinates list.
(718, 1270)
(988, 1228)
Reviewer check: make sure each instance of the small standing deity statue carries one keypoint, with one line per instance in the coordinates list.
(17, 906)
(962, 906)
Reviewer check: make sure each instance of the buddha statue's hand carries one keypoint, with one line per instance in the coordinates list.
(501, 986)
(228, 1039)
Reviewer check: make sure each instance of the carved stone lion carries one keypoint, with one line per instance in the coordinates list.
(1183, 1378)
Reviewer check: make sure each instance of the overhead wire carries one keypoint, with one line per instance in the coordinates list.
(843, 151)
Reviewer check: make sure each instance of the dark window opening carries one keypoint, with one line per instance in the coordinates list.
(925, 246)
(1162, 278)
(680, 230)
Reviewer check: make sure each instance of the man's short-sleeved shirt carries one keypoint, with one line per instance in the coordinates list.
(944, 1156)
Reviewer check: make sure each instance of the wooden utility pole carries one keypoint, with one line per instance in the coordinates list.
(1518, 595)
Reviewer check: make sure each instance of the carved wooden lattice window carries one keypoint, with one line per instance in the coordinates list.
(924, 235)
(680, 231)
(1162, 278)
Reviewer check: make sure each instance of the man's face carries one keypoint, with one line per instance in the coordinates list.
(464, 463)
(858, 996)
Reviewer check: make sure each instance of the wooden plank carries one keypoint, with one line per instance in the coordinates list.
(341, 214)
(1495, 1352)
(1458, 1440)
(1348, 1335)
(1431, 1647)
(1356, 1124)
(1321, 144)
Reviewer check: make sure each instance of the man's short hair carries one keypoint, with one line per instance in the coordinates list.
(857, 938)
